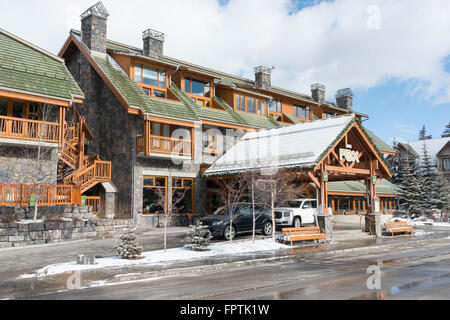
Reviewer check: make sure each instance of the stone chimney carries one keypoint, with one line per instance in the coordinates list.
(262, 77)
(318, 93)
(153, 43)
(93, 27)
(344, 99)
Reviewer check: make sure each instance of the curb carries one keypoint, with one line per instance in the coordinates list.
(238, 264)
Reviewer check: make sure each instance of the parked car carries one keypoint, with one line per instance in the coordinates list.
(219, 222)
(296, 213)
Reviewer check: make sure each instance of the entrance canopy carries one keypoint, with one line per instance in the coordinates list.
(303, 146)
(335, 149)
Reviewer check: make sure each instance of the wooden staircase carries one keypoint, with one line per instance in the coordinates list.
(74, 166)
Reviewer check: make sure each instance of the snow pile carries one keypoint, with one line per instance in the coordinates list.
(158, 257)
(421, 221)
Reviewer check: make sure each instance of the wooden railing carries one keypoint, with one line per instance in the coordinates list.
(157, 144)
(94, 202)
(99, 171)
(24, 129)
(47, 195)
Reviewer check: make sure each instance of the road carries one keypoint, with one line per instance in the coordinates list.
(408, 271)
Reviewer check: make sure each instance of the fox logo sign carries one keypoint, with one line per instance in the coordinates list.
(349, 155)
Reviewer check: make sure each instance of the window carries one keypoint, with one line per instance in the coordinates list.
(327, 115)
(275, 106)
(446, 164)
(3, 108)
(250, 105)
(151, 79)
(152, 186)
(302, 112)
(184, 185)
(197, 89)
(34, 111)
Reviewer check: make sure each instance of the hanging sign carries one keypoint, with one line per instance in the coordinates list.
(349, 155)
(325, 176)
(83, 201)
(32, 199)
(374, 180)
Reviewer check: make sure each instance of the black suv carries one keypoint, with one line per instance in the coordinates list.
(219, 222)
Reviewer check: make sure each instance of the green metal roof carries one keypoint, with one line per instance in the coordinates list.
(384, 187)
(135, 96)
(381, 145)
(29, 69)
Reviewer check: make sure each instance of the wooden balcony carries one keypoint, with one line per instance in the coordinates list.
(31, 130)
(163, 145)
(47, 195)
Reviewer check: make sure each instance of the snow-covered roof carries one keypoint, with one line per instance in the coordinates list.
(296, 146)
(433, 147)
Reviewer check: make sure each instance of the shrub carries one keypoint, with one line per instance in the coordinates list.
(198, 238)
(127, 246)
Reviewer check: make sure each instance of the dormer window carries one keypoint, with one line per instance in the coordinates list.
(199, 91)
(302, 112)
(250, 105)
(151, 79)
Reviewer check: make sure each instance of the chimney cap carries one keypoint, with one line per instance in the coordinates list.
(150, 33)
(97, 9)
(263, 69)
(346, 92)
(317, 86)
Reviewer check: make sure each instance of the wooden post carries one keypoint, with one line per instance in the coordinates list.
(147, 125)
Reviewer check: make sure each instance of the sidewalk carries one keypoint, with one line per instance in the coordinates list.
(20, 288)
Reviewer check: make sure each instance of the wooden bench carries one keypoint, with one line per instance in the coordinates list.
(397, 227)
(301, 234)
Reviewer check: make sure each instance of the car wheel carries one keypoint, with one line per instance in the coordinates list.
(267, 230)
(297, 222)
(226, 233)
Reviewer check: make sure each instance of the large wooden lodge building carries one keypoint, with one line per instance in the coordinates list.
(157, 122)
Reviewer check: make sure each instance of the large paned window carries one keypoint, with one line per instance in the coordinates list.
(275, 106)
(250, 105)
(151, 79)
(21, 109)
(302, 112)
(199, 91)
(154, 187)
(446, 164)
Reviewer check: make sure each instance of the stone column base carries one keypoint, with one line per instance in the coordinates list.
(325, 222)
(373, 224)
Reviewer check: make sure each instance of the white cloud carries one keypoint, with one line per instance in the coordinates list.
(327, 43)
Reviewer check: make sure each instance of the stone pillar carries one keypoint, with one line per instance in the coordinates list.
(325, 222)
(318, 93)
(153, 43)
(93, 27)
(373, 224)
(110, 200)
(263, 77)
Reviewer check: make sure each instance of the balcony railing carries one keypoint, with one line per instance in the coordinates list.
(24, 129)
(163, 145)
(47, 195)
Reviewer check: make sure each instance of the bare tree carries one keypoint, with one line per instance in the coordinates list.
(170, 203)
(276, 189)
(235, 191)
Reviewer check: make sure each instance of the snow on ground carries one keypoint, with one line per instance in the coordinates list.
(158, 257)
(422, 221)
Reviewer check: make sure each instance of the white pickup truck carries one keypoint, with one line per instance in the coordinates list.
(297, 213)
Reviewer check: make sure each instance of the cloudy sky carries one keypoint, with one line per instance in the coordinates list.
(394, 54)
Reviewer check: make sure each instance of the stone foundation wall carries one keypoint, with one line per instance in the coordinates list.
(27, 213)
(19, 234)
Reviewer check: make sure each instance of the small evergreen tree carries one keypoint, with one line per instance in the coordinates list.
(446, 133)
(127, 246)
(198, 237)
(396, 164)
(423, 134)
(442, 193)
